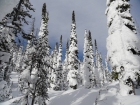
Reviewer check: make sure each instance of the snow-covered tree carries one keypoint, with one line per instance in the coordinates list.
(96, 63)
(12, 22)
(81, 73)
(99, 68)
(50, 70)
(73, 56)
(59, 66)
(96, 53)
(65, 67)
(43, 61)
(56, 74)
(122, 44)
(55, 54)
(86, 44)
(10, 26)
(14, 56)
(27, 78)
(101, 71)
(87, 64)
(59, 57)
(54, 71)
(94, 79)
(35, 75)
(108, 72)
(19, 58)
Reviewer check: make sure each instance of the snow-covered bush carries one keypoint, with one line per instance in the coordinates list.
(72, 79)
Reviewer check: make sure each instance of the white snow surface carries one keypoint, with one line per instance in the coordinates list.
(107, 95)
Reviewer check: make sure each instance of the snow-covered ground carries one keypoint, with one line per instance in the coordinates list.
(80, 96)
(15, 92)
(108, 95)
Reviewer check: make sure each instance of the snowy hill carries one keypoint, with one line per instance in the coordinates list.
(108, 95)
(105, 96)
(73, 97)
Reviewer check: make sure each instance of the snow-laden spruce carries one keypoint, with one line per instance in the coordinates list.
(107, 72)
(28, 69)
(96, 64)
(14, 57)
(123, 45)
(88, 65)
(10, 27)
(54, 65)
(56, 74)
(42, 60)
(65, 67)
(59, 66)
(19, 59)
(34, 78)
(92, 60)
(101, 71)
(73, 56)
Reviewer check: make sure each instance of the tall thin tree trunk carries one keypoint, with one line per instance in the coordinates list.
(33, 95)
(33, 99)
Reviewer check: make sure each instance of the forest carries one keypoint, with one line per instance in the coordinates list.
(37, 74)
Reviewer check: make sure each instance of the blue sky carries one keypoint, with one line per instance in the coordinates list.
(90, 15)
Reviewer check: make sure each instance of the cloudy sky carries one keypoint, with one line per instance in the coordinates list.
(90, 15)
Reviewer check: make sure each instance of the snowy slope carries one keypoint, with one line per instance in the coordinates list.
(108, 95)
(80, 96)
(74, 97)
